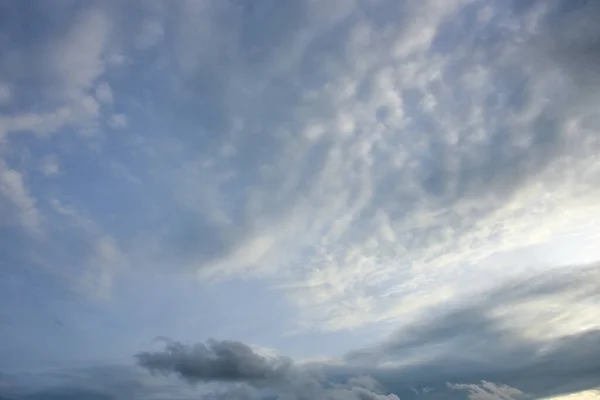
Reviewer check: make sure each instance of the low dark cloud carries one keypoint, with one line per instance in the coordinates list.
(259, 376)
(215, 361)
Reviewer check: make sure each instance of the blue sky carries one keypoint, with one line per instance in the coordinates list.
(340, 199)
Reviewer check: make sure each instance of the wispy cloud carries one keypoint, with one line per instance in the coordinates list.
(536, 334)
(340, 166)
(16, 204)
(380, 167)
(385, 155)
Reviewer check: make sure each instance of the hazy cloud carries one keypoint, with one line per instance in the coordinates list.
(17, 206)
(150, 35)
(5, 93)
(50, 166)
(104, 93)
(117, 121)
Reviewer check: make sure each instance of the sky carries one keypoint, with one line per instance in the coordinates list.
(303, 199)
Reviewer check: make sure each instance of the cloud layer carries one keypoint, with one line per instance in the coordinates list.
(342, 151)
(305, 175)
(486, 340)
(262, 377)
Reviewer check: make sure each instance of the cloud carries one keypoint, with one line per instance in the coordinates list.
(5, 93)
(16, 203)
(586, 395)
(532, 334)
(342, 152)
(150, 35)
(482, 349)
(367, 159)
(78, 59)
(220, 361)
(105, 382)
(73, 60)
(104, 93)
(117, 121)
(466, 353)
(386, 154)
(102, 258)
(104, 261)
(50, 165)
(228, 361)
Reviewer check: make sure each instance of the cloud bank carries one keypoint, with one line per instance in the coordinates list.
(472, 351)
(485, 340)
(336, 165)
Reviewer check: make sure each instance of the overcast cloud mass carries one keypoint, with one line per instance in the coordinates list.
(304, 199)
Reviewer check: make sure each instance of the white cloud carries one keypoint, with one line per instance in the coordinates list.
(409, 165)
(81, 221)
(585, 395)
(150, 35)
(117, 121)
(368, 160)
(104, 93)
(348, 151)
(16, 201)
(104, 259)
(104, 262)
(50, 165)
(5, 93)
(41, 123)
(74, 62)
(78, 58)
(116, 60)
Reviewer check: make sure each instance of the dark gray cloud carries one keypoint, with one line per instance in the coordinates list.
(215, 361)
(260, 376)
